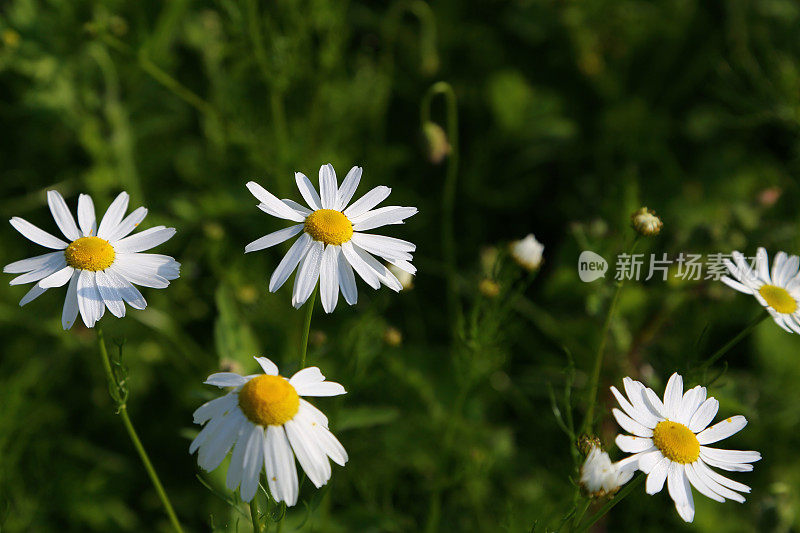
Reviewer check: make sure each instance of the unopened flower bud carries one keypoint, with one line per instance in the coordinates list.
(437, 147)
(646, 223)
(527, 252)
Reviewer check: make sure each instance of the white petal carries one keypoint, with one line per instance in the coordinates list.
(777, 268)
(64, 219)
(308, 191)
(276, 237)
(144, 240)
(348, 188)
(648, 460)
(301, 209)
(680, 491)
(32, 294)
(32, 263)
(657, 476)
(311, 457)
(70, 311)
(329, 444)
(762, 265)
(630, 425)
(252, 463)
(329, 278)
(326, 388)
(276, 207)
(226, 379)
(269, 368)
(690, 402)
(313, 413)
(654, 403)
(130, 223)
(383, 216)
(162, 265)
(630, 444)
(58, 278)
(635, 392)
(129, 267)
(722, 430)
(214, 408)
(289, 262)
(367, 202)
(236, 467)
(114, 215)
(736, 285)
(328, 190)
(729, 456)
(217, 446)
(306, 376)
(704, 415)
(308, 274)
(54, 263)
(383, 273)
(107, 287)
(359, 265)
(90, 303)
(39, 236)
(347, 280)
(375, 245)
(701, 467)
(279, 463)
(86, 217)
(673, 396)
(708, 477)
(700, 484)
(129, 293)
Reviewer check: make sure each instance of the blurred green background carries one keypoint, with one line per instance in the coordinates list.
(570, 116)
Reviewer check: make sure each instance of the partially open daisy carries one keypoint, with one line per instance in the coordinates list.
(778, 291)
(332, 244)
(268, 424)
(99, 263)
(670, 439)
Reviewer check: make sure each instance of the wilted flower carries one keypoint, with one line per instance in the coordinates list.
(527, 252)
(646, 223)
(600, 477)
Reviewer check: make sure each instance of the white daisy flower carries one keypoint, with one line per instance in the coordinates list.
(600, 477)
(268, 424)
(670, 439)
(99, 263)
(778, 291)
(527, 252)
(332, 243)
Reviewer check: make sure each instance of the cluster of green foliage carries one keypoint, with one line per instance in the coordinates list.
(570, 116)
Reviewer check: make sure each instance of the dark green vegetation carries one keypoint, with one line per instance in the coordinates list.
(571, 115)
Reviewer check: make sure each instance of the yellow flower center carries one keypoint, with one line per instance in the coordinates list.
(89, 253)
(779, 299)
(269, 400)
(329, 226)
(676, 442)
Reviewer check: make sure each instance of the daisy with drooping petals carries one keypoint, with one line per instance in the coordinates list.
(332, 244)
(670, 439)
(600, 477)
(778, 291)
(99, 263)
(268, 424)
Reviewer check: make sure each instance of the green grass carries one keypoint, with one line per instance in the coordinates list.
(570, 116)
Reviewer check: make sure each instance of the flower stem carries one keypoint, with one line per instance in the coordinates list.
(612, 502)
(118, 393)
(734, 341)
(449, 194)
(254, 515)
(307, 328)
(598, 359)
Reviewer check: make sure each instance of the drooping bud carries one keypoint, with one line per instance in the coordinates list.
(599, 476)
(527, 252)
(437, 147)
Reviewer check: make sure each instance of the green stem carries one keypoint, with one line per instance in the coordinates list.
(122, 410)
(307, 328)
(254, 515)
(449, 194)
(598, 359)
(612, 502)
(734, 341)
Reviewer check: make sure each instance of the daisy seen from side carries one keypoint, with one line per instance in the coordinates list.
(776, 289)
(267, 423)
